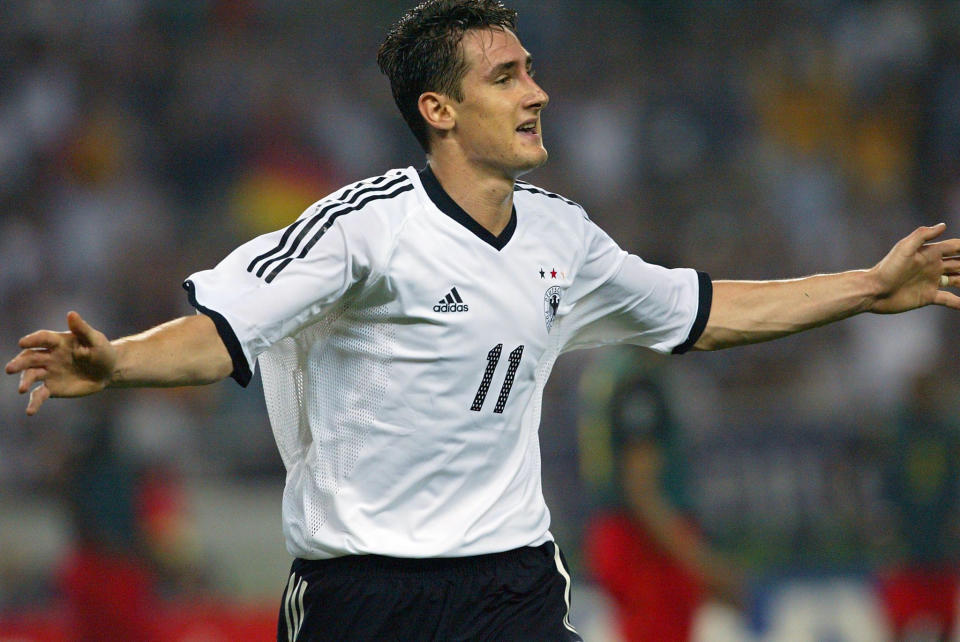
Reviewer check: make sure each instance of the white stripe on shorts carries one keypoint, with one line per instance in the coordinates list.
(293, 606)
(566, 591)
(286, 606)
(303, 589)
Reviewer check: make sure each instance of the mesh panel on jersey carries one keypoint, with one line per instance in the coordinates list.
(544, 368)
(340, 370)
(279, 368)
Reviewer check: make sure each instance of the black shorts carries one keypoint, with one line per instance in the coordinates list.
(523, 594)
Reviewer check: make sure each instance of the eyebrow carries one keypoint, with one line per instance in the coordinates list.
(508, 66)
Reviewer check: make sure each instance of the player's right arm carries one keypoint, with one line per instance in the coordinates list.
(81, 361)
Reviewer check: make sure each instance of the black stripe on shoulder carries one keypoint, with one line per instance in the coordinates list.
(279, 246)
(350, 194)
(405, 186)
(349, 198)
(703, 313)
(241, 369)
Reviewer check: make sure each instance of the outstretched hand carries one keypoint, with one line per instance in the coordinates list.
(910, 274)
(66, 364)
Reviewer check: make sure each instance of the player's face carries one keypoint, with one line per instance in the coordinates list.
(498, 121)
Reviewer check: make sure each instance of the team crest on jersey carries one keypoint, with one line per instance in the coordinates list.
(551, 301)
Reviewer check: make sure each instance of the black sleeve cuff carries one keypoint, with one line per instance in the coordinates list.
(241, 369)
(703, 313)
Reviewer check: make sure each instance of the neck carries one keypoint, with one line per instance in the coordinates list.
(487, 198)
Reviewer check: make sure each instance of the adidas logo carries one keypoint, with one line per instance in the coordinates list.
(451, 303)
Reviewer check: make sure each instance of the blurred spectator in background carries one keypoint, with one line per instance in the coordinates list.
(644, 548)
(131, 541)
(920, 593)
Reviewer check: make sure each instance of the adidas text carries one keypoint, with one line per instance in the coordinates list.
(451, 307)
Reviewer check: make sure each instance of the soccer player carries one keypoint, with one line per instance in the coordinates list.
(405, 327)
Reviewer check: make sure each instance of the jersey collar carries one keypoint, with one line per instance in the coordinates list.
(449, 207)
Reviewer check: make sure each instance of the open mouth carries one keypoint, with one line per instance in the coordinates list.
(529, 128)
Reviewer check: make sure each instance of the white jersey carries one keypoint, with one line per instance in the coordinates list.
(404, 351)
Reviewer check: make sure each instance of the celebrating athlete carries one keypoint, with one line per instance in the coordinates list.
(405, 327)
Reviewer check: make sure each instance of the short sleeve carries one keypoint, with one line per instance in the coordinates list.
(619, 298)
(275, 285)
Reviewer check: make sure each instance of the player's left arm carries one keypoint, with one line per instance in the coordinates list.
(908, 277)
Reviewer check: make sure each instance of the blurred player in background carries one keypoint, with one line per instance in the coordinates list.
(131, 540)
(109, 576)
(644, 547)
(920, 592)
(405, 327)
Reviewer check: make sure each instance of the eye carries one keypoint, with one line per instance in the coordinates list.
(531, 72)
(502, 80)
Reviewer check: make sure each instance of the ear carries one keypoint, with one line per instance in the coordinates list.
(437, 110)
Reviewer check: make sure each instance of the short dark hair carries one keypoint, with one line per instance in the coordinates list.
(422, 51)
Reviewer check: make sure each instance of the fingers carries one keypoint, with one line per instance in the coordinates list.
(947, 299)
(49, 357)
(81, 329)
(30, 358)
(948, 248)
(950, 266)
(923, 235)
(29, 377)
(43, 339)
(39, 394)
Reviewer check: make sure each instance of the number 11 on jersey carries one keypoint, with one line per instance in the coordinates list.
(493, 358)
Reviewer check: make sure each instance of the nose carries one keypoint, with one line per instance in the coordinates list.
(538, 98)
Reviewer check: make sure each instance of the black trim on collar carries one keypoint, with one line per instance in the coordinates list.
(703, 313)
(449, 207)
